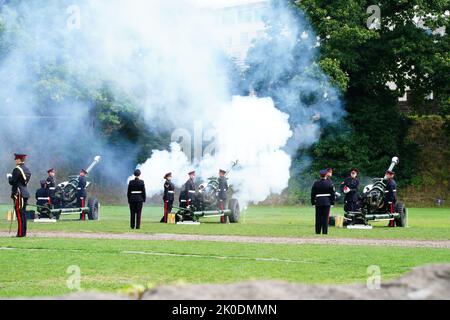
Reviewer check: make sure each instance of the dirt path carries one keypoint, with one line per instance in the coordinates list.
(242, 239)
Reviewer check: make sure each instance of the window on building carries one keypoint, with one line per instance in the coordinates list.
(258, 14)
(260, 34)
(245, 38)
(229, 41)
(228, 17)
(404, 98)
(245, 16)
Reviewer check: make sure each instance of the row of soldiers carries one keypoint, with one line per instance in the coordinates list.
(136, 195)
(323, 196)
(45, 196)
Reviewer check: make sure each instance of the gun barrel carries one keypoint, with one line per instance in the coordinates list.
(394, 162)
(93, 164)
(234, 164)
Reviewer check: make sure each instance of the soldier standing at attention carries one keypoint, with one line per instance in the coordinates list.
(222, 196)
(390, 194)
(322, 197)
(19, 193)
(350, 188)
(51, 185)
(190, 189)
(136, 198)
(81, 192)
(169, 196)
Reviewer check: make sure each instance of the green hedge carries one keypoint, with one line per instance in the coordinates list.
(432, 179)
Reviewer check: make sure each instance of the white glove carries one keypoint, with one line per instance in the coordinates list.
(346, 190)
(8, 175)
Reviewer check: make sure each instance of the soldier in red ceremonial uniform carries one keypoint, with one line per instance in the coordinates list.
(169, 196)
(19, 180)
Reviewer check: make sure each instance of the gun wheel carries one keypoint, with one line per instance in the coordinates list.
(94, 208)
(233, 205)
(401, 209)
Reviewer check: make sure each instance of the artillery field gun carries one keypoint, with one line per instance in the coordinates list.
(206, 204)
(372, 206)
(66, 199)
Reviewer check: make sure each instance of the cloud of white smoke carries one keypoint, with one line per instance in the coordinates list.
(168, 57)
(254, 134)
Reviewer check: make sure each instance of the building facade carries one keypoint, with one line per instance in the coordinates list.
(240, 22)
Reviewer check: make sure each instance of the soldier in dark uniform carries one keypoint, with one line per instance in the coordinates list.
(350, 188)
(222, 193)
(169, 196)
(322, 197)
(136, 197)
(182, 197)
(189, 189)
(51, 185)
(390, 194)
(81, 192)
(42, 196)
(19, 180)
(200, 197)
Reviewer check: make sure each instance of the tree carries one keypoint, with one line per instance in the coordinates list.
(401, 52)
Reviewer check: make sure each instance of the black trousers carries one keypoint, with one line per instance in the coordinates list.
(20, 206)
(54, 201)
(169, 206)
(191, 199)
(322, 215)
(135, 214)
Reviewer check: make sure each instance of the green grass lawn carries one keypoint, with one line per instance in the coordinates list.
(38, 266)
(426, 224)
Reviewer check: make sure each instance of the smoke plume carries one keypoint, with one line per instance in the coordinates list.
(168, 58)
